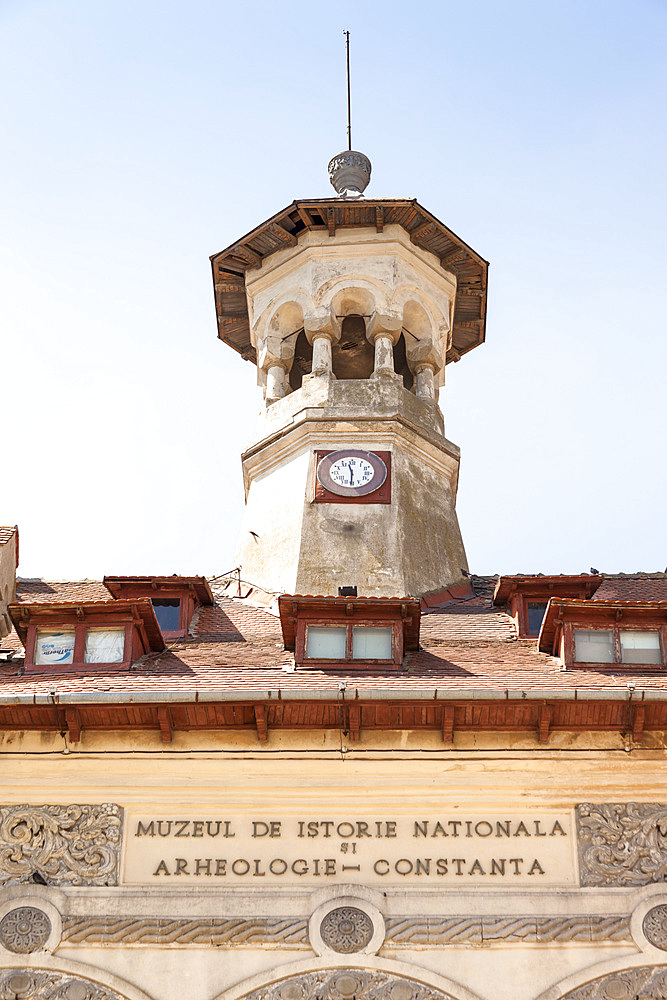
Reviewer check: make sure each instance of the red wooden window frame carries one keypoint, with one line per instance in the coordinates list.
(568, 645)
(132, 649)
(348, 662)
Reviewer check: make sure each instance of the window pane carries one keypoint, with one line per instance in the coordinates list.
(371, 643)
(594, 645)
(104, 645)
(167, 612)
(54, 647)
(325, 643)
(535, 616)
(640, 647)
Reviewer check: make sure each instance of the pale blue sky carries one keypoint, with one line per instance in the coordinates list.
(139, 138)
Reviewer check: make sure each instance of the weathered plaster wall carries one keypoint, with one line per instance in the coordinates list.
(7, 581)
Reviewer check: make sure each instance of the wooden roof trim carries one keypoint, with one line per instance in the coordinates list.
(198, 585)
(282, 229)
(560, 609)
(556, 585)
(42, 613)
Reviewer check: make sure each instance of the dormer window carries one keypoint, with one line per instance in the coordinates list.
(72, 636)
(174, 598)
(526, 597)
(349, 633)
(615, 633)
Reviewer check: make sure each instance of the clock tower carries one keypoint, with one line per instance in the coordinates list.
(351, 310)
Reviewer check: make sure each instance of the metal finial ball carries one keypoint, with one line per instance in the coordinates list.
(350, 172)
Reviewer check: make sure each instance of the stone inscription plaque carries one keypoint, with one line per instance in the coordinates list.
(449, 850)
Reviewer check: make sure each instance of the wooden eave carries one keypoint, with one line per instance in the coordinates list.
(229, 266)
(46, 614)
(349, 711)
(583, 613)
(545, 586)
(345, 609)
(119, 586)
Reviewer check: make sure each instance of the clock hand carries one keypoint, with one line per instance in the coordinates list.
(351, 476)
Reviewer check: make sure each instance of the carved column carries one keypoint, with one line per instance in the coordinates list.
(322, 331)
(276, 383)
(425, 382)
(425, 360)
(274, 358)
(384, 329)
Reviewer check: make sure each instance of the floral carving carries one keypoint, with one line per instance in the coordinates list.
(346, 929)
(63, 845)
(622, 844)
(36, 984)
(644, 983)
(655, 927)
(24, 929)
(347, 984)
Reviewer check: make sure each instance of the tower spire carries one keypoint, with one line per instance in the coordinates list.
(349, 172)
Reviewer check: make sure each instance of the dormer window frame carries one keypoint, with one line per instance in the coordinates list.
(565, 617)
(192, 592)
(299, 613)
(135, 617)
(516, 593)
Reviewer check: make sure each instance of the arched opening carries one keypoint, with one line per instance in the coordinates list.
(401, 363)
(353, 356)
(303, 361)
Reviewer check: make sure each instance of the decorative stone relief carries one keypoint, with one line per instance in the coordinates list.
(287, 933)
(346, 929)
(36, 984)
(63, 844)
(645, 983)
(622, 843)
(655, 927)
(360, 984)
(434, 932)
(24, 929)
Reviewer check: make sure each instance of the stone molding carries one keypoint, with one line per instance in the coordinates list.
(622, 843)
(24, 929)
(293, 933)
(38, 984)
(347, 984)
(157, 930)
(63, 844)
(642, 983)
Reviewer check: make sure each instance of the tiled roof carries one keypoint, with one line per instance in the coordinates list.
(61, 590)
(235, 646)
(633, 587)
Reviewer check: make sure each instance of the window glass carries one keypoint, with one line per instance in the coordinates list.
(54, 647)
(594, 645)
(535, 615)
(167, 612)
(325, 643)
(104, 645)
(640, 647)
(371, 643)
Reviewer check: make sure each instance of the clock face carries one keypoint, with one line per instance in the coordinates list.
(351, 473)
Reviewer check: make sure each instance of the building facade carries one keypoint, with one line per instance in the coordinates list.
(350, 768)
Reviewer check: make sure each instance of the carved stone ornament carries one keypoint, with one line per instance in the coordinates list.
(37, 984)
(622, 843)
(645, 983)
(655, 927)
(346, 929)
(347, 984)
(24, 929)
(350, 172)
(63, 845)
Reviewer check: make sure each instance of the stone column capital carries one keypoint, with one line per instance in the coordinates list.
(320, 323)
(424, 354)
(384, 324)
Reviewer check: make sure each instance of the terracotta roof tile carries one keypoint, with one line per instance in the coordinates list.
(61, 590)
(635, 587)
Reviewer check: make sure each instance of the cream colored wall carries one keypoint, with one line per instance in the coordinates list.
(7, 583)
(398, 774)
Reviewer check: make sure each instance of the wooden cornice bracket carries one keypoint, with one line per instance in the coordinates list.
(379, 218)
(355, 722)
(164, 719)
(331, 221)
(544, 723)
(448, 724)
(289, 239)
(73, 720)
(425, 229)
(261, 723)
(638, 717)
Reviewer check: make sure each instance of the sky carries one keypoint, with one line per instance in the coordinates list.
(141, 137)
